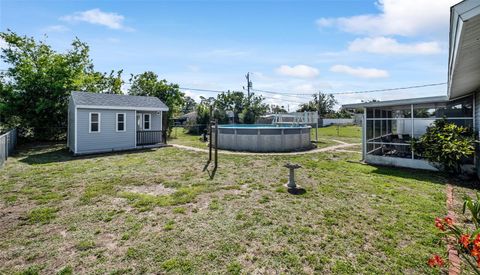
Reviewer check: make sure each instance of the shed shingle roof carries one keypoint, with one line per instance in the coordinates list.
(120, 101)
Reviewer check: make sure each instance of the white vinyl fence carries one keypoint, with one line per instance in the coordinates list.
(8, 141)
(337, 121)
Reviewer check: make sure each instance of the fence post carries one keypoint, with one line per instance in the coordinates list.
(7, 148)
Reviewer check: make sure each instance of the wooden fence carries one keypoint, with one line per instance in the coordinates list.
(8, 141)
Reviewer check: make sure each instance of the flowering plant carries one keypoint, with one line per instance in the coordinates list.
(467, 243)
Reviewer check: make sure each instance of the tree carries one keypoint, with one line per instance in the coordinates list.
(321, 103)
(203, 114)
(36, 86)
(189, 105)
(231, 101)
(254, 109)
(446, 144)
(203, 110)
(148, 84)
(339, 114)
(277, 109)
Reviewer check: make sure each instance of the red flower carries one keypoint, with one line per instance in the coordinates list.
(439, 224)
(435, 260)
(475, 252)
(478, 261)
(448, 221)
(464, 240)
(476, 242)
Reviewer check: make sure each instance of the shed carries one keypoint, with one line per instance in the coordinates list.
(109, 122)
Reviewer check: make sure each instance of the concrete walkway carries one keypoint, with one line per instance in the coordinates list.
(338, 147)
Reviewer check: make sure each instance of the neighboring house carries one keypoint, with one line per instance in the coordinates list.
(188, 118)
(109, 122)
(388, 126)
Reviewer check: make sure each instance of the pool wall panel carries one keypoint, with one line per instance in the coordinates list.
(264, 139)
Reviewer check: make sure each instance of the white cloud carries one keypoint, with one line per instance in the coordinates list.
(305, 88)
(385, 45)
(359, 71)
(300, 71)
(398, 17)
(325, 22)
(195, 96)
(97, 17)
(55, 28)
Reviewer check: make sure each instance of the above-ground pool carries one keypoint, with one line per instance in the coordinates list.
(263, 138)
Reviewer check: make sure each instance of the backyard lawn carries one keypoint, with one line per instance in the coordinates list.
(156, 211)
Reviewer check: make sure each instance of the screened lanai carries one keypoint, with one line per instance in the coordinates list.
(389, 126)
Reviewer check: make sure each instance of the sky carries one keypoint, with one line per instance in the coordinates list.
(294, 47)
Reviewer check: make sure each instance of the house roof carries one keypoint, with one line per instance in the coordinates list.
(399, 102)
(464, 49)
(190, 115)
(114, 101)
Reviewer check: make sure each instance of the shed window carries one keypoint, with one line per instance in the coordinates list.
(146, 121)
(94, 122)
(121, 122)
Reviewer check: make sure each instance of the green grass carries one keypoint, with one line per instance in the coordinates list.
(180, 136)
(42, 215)
(86, 215)
(345, 133)
(85, 245)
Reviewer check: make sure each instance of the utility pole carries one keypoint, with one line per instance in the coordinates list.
(318, 104)
(249, 84)
(318, 116)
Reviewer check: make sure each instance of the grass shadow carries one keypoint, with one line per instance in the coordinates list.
(212, 173)
(424, 175)
(296, 191)
(55, 153)
(206, 166)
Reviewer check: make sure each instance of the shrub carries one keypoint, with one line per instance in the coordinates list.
(446, 144)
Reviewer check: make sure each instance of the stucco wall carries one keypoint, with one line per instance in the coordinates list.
(400, 162)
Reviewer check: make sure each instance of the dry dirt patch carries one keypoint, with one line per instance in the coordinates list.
(155, 190)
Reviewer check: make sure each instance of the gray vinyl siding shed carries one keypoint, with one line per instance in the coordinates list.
(94, 126)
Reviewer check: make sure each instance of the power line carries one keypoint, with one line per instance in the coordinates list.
(201, 90)
(358, 92)
(392, 89)
(220, 91)
(299, 96)
(284, 100)
(281, 93)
